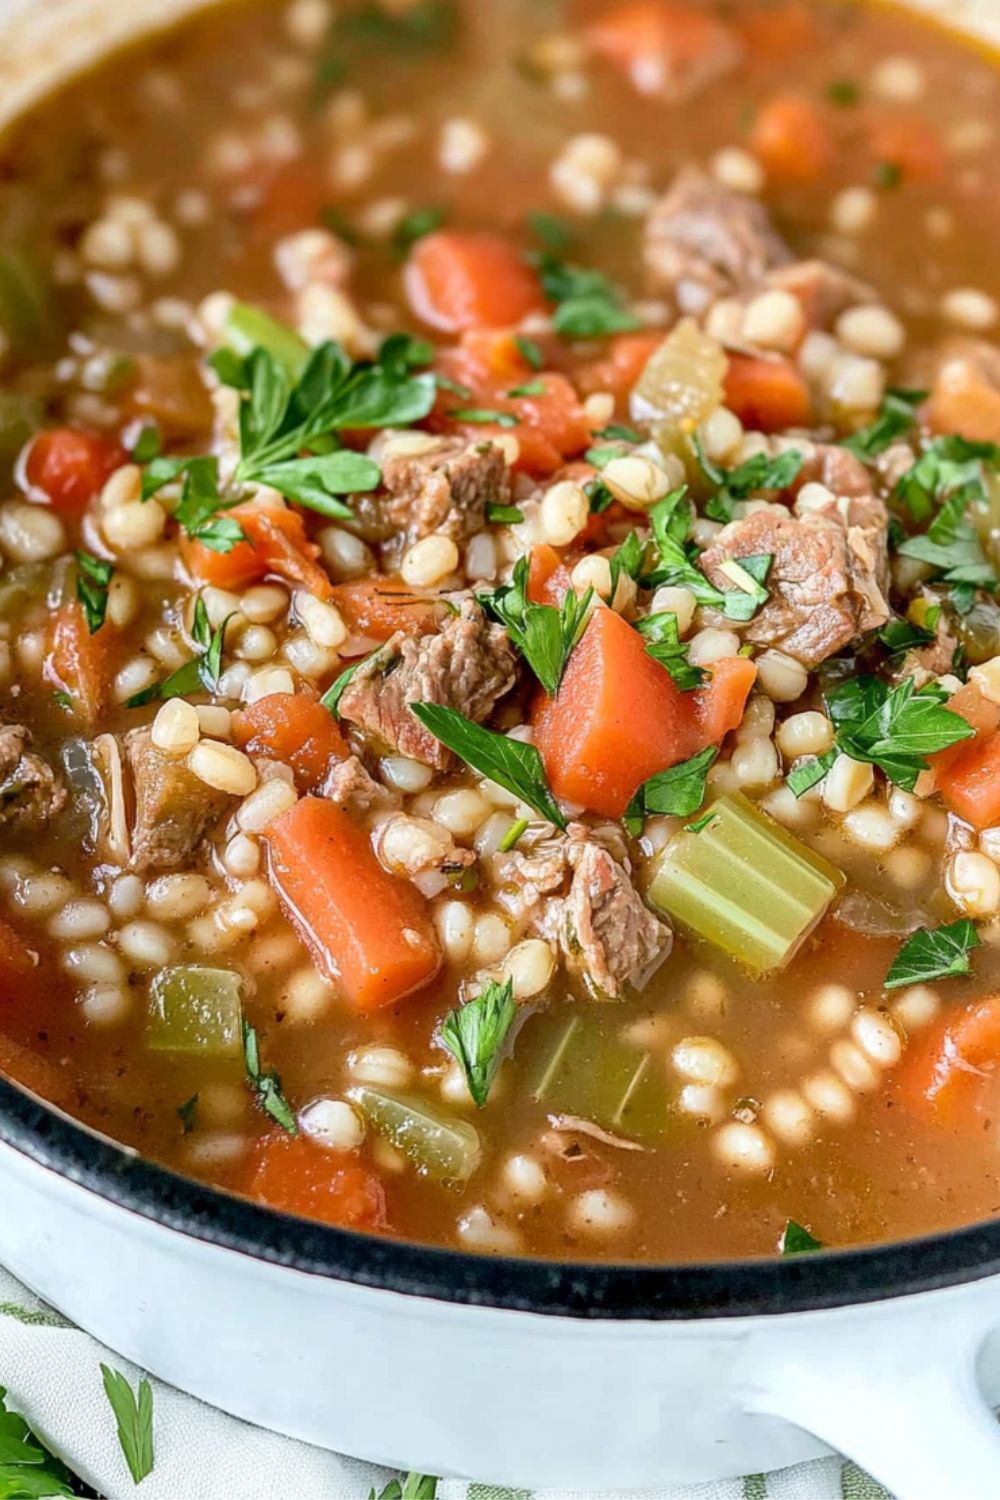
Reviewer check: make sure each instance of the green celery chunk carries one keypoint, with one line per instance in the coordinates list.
(29, 313)
(744, 884)
(440, 1145)
(247, 328)
(195, 1010)
(581, 1067)
(20, 419)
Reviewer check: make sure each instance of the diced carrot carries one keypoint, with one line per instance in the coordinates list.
(965, 400)
(548, 575)
(551, 424)
(767, 394)
(720, 704)
(368, 930)
(292, 1173)
(277, 543)
(619, 370)
(295, 729)
(70, 467)
(494, 354)
(970, 785)
(663, 47)
(791, 139)
(378, 607)
(33, 1071)
(617, 719)
(945, 1075)
(909, 143)
(81, 664)
(460, 280)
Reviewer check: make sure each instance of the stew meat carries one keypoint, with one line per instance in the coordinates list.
(500, 618)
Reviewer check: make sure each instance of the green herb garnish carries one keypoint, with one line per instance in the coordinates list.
(510, 763)
(587, 304)
(760, 472)
(513, 835)
(545, 634)
(796, 1240)
(663, 643)
(529, 351)
(475, 1034)
(900, 636)
(678, 791)
(265, 1084)
(201, 674)
(134, 1415)
(484, 414)
(896, 417)
(934, 953)
(413, 227)
(188, 1112)
(93, 578)
(27, 1468)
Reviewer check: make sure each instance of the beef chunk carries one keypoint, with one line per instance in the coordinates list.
(30, 791)
(444, 490)
(836, 467)
(827, 579)
(467, 665)
(350, 786)
(703, 242)
(522, 879)
(173, 809)
(608, 934)
(825, 291)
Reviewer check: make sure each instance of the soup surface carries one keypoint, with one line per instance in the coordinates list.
(499, 655)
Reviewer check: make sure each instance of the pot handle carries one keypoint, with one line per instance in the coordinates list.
(901, 1399)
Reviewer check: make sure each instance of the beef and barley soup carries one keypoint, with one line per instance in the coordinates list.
(500, 619)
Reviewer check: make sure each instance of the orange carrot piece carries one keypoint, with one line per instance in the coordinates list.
(965, 400)
(767, 394)
(908, 143)
(617, 719)
(295, 729)
(378, 607)
(662, 46)
(721, 703)
(42, 1075)
(292, 1173)
(369, 931)
(70, 467)
(277, 543)
(619, 370)
(791, 138)
(551, 424)
(548, 575)
(970, 785)
(80, 663)
(458, 280)
(944, 1075)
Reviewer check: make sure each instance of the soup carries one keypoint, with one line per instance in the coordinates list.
(498, 636)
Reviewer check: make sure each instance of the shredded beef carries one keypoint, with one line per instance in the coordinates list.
(445, 490)
(174, 810)
(827, 579)
(30, 791)
(467, 665)
(350, 786)
(703, 242)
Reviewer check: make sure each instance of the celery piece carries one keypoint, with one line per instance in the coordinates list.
(247, 328)
(581, 1067)
(20, 418)
(744, 884)
(195, 1010)
(29, 314)
(440, 1145)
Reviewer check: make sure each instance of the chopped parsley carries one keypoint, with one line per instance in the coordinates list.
(482, 414)
(951, 546)
(529, 351)
(503, 515)
(896, 417)
(887, 174)
(93, 579)
(134, 1414)
(266, 1085)
(627, 559)
(671, 520)
(843, 92)
(760, 472)
(749, 574)
(588, 305)
(200, 674)
(663, 643)
(331, 698)
(948, 466)
(545, 634)
(27, 1468)
(555, 234)
(796, 1240)
(147, 445)
(700, 824)
(510, 763)
(934, 953)
(475, 1034)
(677, 791)
(412, 227)
(530, 388)
(900, 636)
(618, 432)
(188, 1112)
(513, 835)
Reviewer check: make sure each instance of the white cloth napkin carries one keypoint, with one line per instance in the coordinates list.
(53, 1378)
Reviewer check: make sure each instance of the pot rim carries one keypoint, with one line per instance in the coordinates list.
(617, 1291)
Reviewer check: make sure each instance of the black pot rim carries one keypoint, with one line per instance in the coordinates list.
(554, 1288)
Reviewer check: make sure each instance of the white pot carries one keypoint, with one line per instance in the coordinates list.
(518, 1372)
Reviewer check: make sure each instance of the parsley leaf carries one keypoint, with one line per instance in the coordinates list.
(671, 520)
(201, 507)
(811, 771)
(188, 1112)
(900, 636)
(896, 416)
(475, 1033)
(331, 698)
(894, 728)
(663, 643)
(934, 953)
(510, 763)
(265, 1084)
(554, 233)
(544, 634)
(619, 432)
(201, 674)
(93, 577)
(678, 791)
(628, 558)
(947, 464)
(749, 574)
(134, 1415)
(412, 227)
(483, 414)
(28, 1470)
(530, 388)
(413, 1487)
(147, 445)
(952, 547)
(587, 304)
(529, 351)
(795, 1240)
(760, 472)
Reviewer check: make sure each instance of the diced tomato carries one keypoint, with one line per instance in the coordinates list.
(277, 543)
(295, 729)
(295, 1175)
(944, 1076)
(791, 138)
(371, 932)
(70, 467)
(662, 47)
(768, 395)
(378, 607)
(80, 663)
(456, 281)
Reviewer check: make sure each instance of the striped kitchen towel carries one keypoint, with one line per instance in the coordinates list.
(52, 1375)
